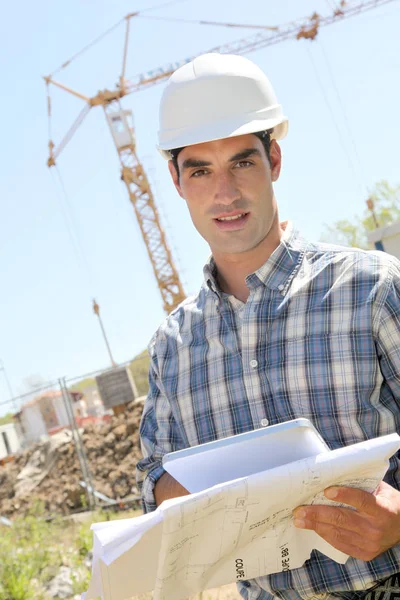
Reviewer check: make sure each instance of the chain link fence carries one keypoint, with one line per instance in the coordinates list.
(73, 443)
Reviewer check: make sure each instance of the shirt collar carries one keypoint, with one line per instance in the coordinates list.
(277, 272)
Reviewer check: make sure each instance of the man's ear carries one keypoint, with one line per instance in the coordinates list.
(175, 177)
(276, 159)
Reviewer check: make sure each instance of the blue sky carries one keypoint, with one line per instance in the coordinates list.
(341, 94)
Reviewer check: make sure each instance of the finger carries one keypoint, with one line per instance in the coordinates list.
(364, 502)
(341, 518)
(352, 544)
(384, 490)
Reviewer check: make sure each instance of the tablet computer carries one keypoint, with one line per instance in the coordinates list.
(203, 466)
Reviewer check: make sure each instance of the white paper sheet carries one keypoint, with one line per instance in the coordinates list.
(237, 530)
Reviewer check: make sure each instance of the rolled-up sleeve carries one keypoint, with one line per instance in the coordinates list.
(159, 434)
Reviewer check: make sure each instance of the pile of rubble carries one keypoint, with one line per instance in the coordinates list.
(50, 471)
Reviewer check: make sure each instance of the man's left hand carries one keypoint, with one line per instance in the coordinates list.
(363, 533)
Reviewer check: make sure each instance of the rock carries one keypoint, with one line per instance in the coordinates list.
(120, 431)
(87, 561)
(131, 426)
(61, 585)
(104, 429)
(109, 440)
(91, 445)
(121, 486)
(113, 476)
(73, 495)
(122, 448)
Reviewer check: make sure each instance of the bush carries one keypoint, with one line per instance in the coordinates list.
(32, 551)
(28, 557)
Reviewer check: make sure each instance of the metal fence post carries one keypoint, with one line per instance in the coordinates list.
(79, 446)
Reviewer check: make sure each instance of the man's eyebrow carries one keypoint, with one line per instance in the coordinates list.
(191, 163)
(245, 154)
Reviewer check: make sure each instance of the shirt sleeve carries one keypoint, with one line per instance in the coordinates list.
(388, 330)
(159, 434)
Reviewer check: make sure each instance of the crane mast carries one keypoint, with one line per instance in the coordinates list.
(142, 199)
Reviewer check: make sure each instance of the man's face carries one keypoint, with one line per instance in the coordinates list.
(227, 185)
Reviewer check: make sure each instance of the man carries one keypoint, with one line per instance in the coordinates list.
(281, 328)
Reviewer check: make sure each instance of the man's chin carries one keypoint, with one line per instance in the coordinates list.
(235, 247)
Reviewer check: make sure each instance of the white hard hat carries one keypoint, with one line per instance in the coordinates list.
(217, 96)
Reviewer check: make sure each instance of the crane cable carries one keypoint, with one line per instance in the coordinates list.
(48, 96)
(87, 47)
(346, 119)
(202, 22)
(110, 30)
(164, 5)
(332, 113)
(332, 7)
(73, 230)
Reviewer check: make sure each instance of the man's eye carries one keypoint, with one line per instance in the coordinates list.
(199, 173)
(243, 164)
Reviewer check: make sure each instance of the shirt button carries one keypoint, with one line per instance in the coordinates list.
(253, 363)
(281, 288)
(264, 422)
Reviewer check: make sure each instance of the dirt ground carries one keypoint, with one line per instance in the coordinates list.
(50, 471)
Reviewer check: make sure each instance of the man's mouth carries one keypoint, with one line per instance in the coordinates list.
(231, 222)
(239, 216)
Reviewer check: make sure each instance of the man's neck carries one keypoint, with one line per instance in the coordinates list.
(232, 269)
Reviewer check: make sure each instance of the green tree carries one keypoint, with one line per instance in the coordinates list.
(80, 386)
(7, 418)
(140, 371)
(354, 233)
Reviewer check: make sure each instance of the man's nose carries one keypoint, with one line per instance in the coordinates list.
(226, 190)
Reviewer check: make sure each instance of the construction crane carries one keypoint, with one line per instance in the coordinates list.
(120, 123)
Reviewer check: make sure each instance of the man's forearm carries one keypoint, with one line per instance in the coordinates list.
(167, 487)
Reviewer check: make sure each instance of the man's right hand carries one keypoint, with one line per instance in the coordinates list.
(167, 487)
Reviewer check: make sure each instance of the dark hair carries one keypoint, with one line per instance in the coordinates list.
(264, 136)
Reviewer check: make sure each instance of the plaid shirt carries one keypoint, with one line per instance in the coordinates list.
(318, 338)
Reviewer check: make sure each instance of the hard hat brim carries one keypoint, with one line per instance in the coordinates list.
(211, 133)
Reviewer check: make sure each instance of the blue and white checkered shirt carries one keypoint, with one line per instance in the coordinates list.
(319, 337)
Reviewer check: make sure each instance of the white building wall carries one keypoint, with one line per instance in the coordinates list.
(390, 238)
(19, 428)
(10, 432)
(3, 449)
(34, 424)
(94, 404)
(61, 412)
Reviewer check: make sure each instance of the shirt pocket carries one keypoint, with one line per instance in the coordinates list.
(323, 374)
